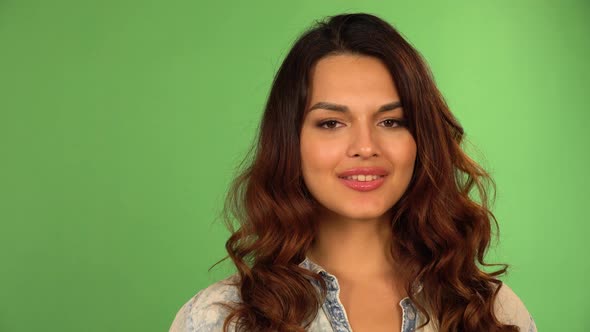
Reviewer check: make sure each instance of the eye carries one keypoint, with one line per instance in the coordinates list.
(389, 123)
(392, 123)
(329, 124)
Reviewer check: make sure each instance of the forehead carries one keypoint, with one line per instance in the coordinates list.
(349, 77)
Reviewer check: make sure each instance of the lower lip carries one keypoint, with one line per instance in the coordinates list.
(363, 185)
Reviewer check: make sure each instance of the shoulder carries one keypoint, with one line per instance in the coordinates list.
(510, 309)
(202, 312)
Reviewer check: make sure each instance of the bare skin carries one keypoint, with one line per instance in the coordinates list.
(354, 234)
(370, 288)
(371, 305)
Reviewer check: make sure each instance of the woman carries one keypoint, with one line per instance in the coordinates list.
(355, 210)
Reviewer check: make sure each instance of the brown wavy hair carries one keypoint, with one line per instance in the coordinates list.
(440, 234)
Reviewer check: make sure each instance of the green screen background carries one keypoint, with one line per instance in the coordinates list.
(121, 123)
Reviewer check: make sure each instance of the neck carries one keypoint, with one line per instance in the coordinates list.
(352, 248)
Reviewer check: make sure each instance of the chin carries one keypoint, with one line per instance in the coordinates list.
(360, 213)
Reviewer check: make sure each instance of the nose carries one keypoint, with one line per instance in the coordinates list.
(363, 143)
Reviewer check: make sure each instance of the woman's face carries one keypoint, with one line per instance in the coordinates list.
(353, 122)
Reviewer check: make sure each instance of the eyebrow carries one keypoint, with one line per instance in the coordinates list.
(345, 109)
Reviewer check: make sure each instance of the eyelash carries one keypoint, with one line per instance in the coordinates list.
(400, 123)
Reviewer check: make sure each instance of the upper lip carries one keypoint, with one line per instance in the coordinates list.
(365, 171)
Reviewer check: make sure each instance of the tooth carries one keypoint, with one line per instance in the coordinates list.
(363, 177)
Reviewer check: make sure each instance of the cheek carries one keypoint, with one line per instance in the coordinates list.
(401, 152)
(319, 155)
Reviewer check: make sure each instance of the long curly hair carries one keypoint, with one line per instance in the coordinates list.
(440, 234)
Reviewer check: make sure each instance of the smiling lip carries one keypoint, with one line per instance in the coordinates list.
(364, 170)
(363, 185)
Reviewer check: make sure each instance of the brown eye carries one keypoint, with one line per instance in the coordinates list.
(393, 123)
(330, 124)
